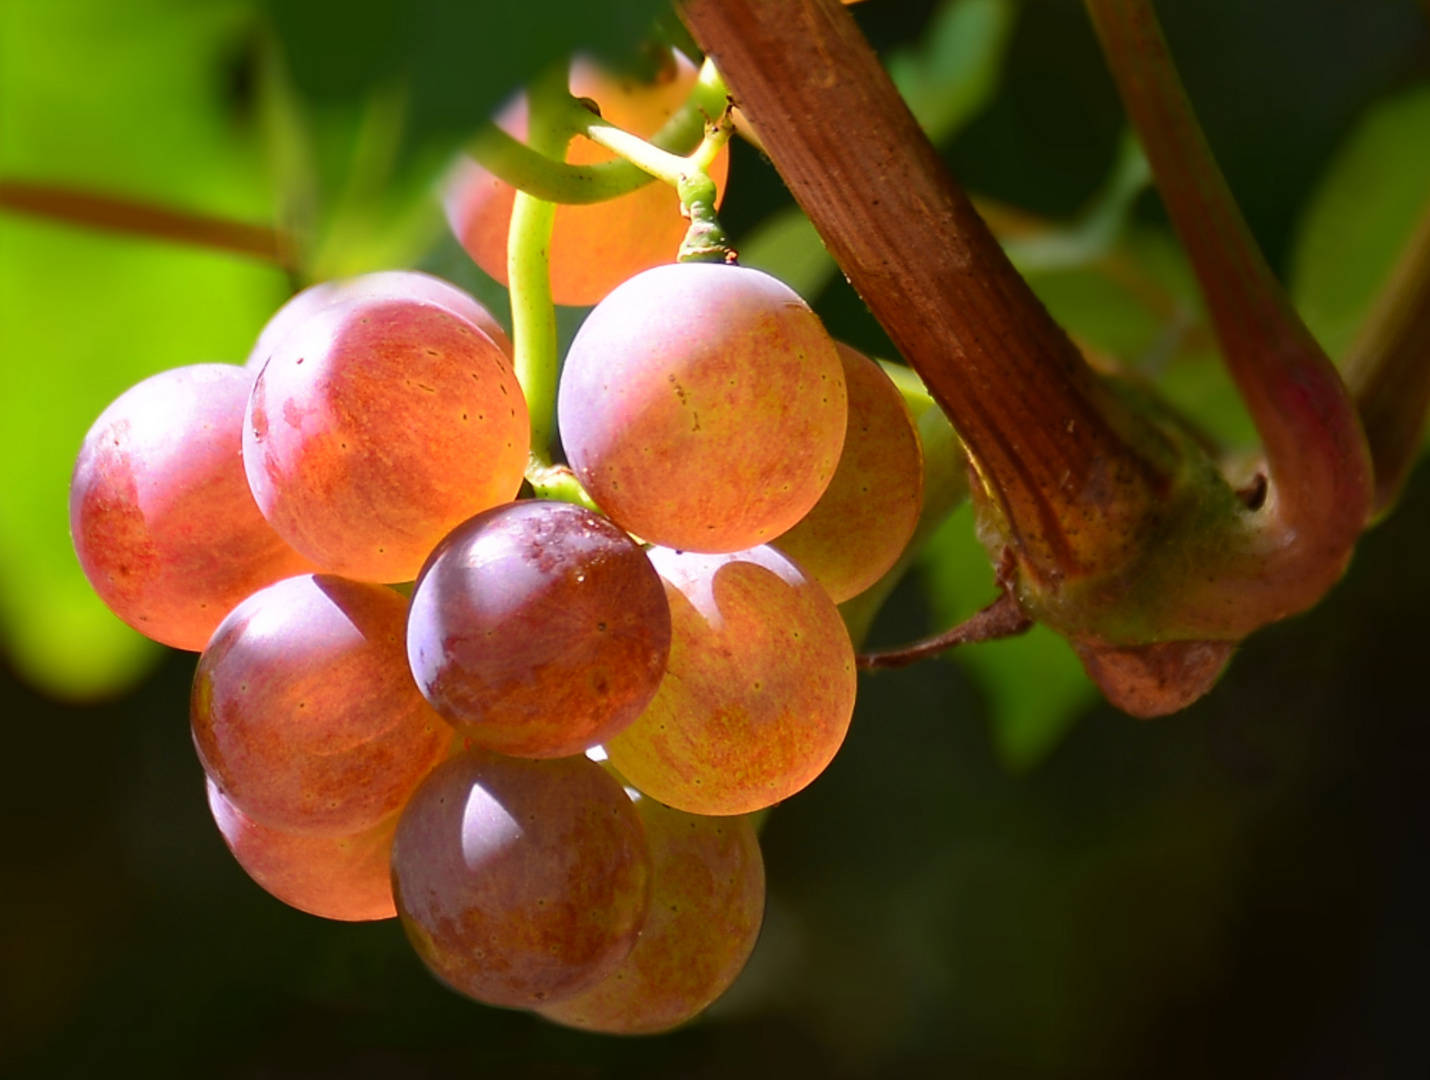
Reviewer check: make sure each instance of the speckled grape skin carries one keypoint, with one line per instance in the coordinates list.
(759, 687)
(348, 878)
(375, 428)
(385, 284)
(703, 407)
(707, 904)
(864, 519)
(593, 248)
(538, 629)
(304, 712)
(162, 518)
(521, 882)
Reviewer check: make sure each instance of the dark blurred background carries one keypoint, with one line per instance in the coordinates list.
(1235, 891)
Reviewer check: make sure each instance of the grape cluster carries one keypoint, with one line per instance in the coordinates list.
(432, 752)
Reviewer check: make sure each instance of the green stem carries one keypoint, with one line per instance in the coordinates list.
(525, 168)
(111, 213)
(533, 314)
(706, 240)
(558, 482)
(1316, 455)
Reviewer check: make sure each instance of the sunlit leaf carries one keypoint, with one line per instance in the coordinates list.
(1034, 685)
(954, 71)
(1361, 217)
(458, 59)
(160, 114)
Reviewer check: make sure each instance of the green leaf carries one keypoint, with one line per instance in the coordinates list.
(954, 72)
(159, 116)
(1361, 216)
(786, 246)
(458, 59)
(1034, 685)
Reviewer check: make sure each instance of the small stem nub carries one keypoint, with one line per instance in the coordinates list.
(1001, 619)
(559, 483)
(705, 241)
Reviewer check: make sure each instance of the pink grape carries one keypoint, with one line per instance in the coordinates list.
(538, 629)
(703, 407)
(162, 518)
(707, 904)
(383, 285)
(759, 688)
(376, 427)
(865, 518)
(521, 882)
(304, 712)
(334, 877)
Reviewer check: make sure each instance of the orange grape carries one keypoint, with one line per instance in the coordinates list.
(162, 518)
(304, 712)
(707, 903)
(703, 406)
(593, 247)
(758, 691)
(864, 519)
(521, 882)
(335, 877)
(376, 427)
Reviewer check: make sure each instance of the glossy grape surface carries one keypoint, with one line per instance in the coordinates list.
(538, 629)
(383, 285)
(593, 248)
(304, 712)
(521, 882)
(864, 519)
(160, 511)
(703, 407)
(335, 877)
(378, 426)
(759, 688)
(707, 904)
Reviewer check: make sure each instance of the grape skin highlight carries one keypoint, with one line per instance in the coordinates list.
(593, 248)
(334, 877)
(377, 427)
(163, 522)
(759, 688)
(385, 284)
(521, 882)
(703, 406)
(865, 518)
(707, 904)
(538, 629)
(304, 712)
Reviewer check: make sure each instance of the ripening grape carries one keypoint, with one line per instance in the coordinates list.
(304, 712)
(162, 518)
(707, 903)
(759, 688)
(538, 629)
(521, 882)
(335, 877)
(593, 248)
(384, 285)
(864, 519)
(376, 427)
(703, 407)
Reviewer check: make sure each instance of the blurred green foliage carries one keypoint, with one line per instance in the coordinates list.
(1372, 194)
(1224, 893)
(188, 104)
(129, 100)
